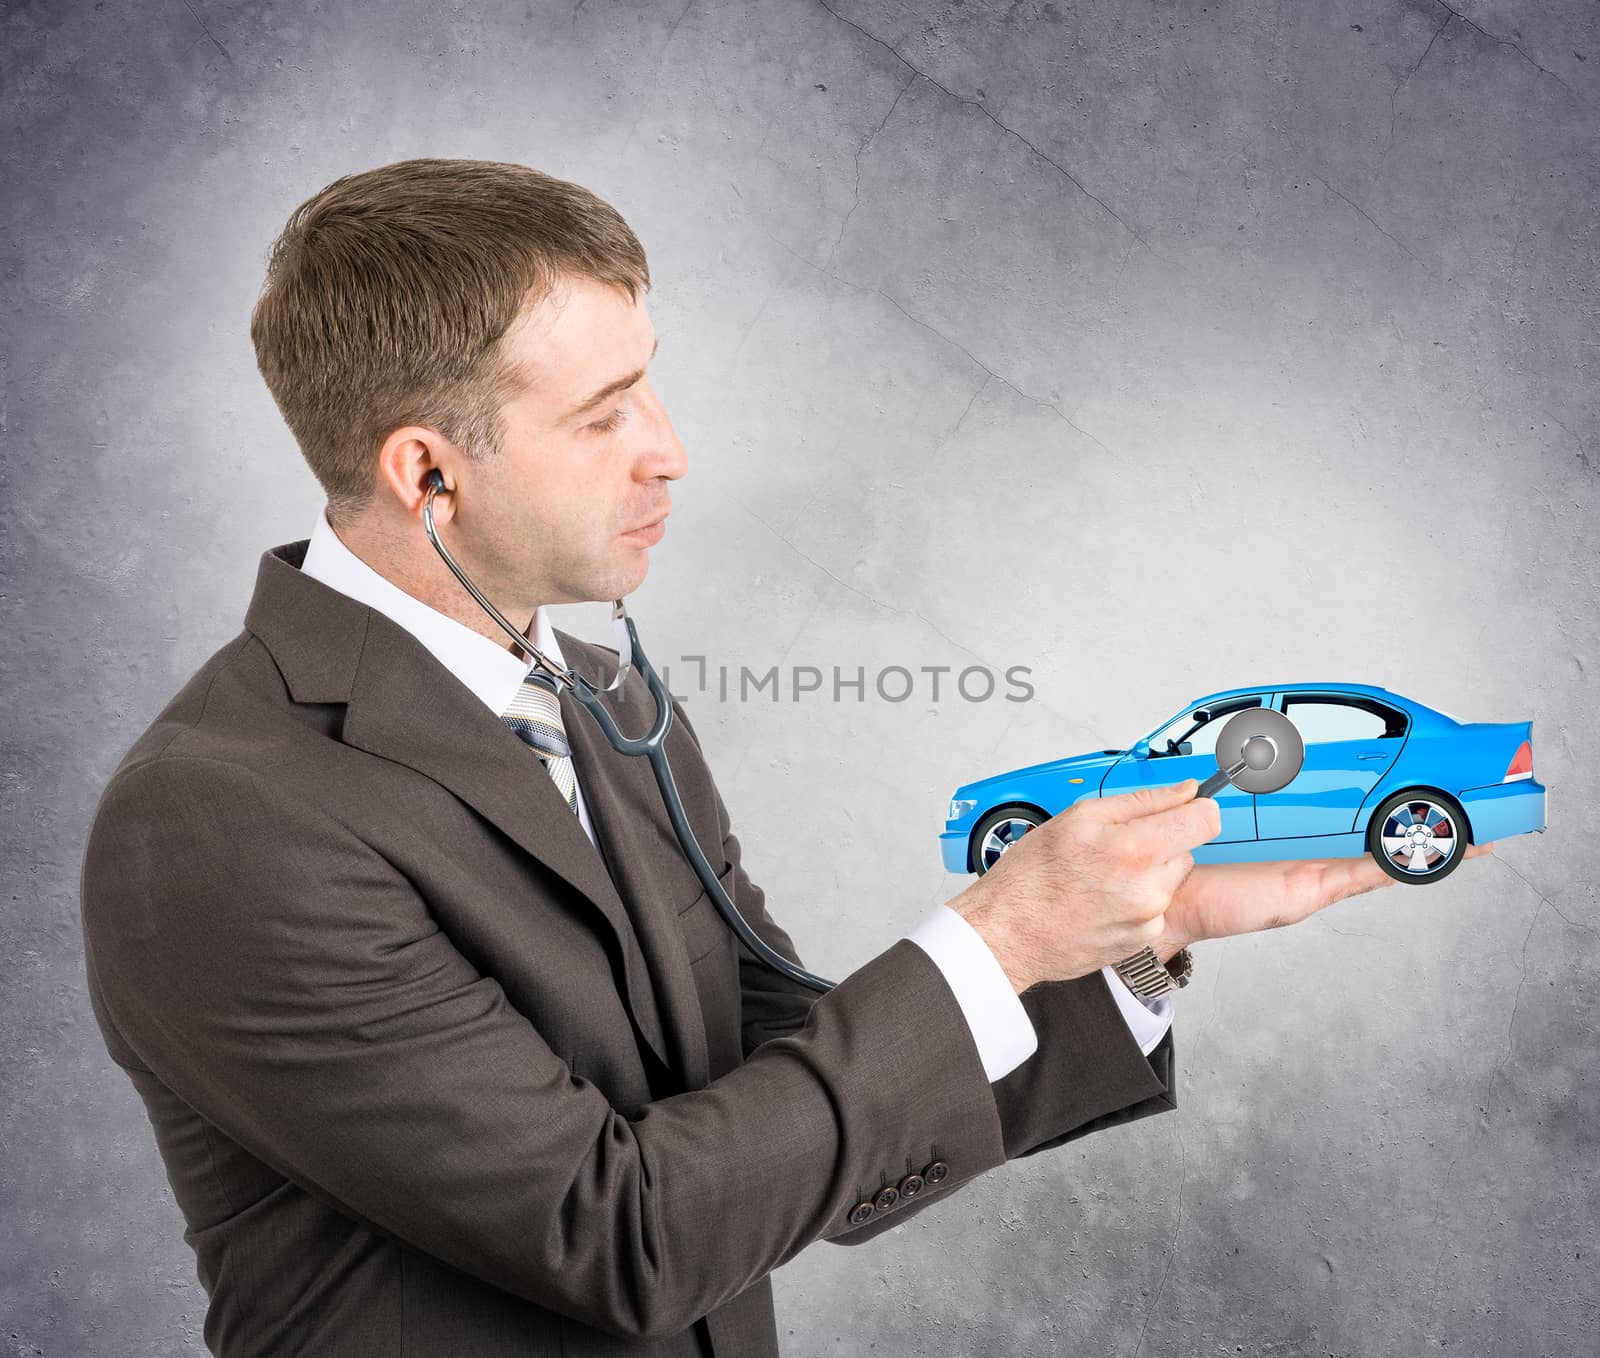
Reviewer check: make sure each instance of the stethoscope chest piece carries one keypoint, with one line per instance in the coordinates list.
(1258, 750)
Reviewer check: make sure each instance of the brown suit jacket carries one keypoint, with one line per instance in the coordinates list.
(430, 1076)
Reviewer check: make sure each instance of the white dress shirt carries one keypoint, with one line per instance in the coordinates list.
(1001, 1028)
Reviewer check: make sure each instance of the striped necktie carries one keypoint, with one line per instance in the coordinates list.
(535, 715)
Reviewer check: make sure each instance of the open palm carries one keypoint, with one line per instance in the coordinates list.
(1217, 900)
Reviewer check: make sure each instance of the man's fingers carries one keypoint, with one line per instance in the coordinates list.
(1126, 806)
(1177, 829)
(1358, 875)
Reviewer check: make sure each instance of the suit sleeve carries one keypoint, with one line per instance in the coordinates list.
(1088, 1076)
(1148, 1020)
(286, 980)
(1087, 1072)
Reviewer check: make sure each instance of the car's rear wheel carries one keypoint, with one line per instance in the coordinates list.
(998, 831)
(1418, 835)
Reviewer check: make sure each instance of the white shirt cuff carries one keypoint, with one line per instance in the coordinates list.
(1148, 1020)
(1000, 1026)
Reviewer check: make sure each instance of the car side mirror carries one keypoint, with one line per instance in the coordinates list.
(1186, 747)
(1141, 750)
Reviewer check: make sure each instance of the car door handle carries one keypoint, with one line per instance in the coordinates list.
(1372, 756)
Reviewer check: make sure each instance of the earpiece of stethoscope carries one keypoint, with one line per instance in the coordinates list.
(1258, 750)
(563, 675)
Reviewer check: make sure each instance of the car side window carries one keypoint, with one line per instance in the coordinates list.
(1323, 719)
(1202, 738)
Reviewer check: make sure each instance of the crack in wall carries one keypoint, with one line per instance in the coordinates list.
(1365, 215)
(1511, 1024)
(1172, 1248)
(939, 334)
(1575, 923)
(1517, 48)
(1483, 1108)
(962, 418)
(208, 33)
(871, 599)
(856, 197)
(1011, 131)
(1407, 76)
(1450, 16)
(745, 749)
(661, 60)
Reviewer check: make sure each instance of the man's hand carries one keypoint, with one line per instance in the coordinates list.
(1217, 900)
(1091, 885)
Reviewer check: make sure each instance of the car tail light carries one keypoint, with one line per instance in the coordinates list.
(1521, 763)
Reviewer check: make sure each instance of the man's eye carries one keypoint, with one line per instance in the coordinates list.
(611, 421)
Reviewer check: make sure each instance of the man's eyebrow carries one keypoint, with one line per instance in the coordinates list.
(610, 388)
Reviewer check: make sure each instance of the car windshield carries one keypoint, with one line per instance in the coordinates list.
(1199, 725)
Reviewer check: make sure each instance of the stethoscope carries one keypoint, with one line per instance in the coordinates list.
(629, 654)
(1258, 750)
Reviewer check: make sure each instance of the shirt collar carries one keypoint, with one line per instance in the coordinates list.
(492, 671)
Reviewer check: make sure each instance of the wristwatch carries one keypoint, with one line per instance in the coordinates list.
(1146, 975)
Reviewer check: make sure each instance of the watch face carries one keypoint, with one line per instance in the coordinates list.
(1180, 965)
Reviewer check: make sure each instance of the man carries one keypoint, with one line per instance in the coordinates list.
(444, 1045)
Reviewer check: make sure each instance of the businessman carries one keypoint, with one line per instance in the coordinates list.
(444, 1046)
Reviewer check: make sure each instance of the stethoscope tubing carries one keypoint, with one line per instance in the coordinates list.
(651, 745)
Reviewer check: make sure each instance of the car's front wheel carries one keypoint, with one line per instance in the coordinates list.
(1418, 835)
(998, 831)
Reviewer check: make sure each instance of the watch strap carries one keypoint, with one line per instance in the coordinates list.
(1147, 976)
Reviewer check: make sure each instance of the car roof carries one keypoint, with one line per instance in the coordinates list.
(1371, 690)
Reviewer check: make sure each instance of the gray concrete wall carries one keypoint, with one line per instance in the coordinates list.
(1159, 348)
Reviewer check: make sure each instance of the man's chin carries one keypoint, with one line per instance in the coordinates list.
(625, 577)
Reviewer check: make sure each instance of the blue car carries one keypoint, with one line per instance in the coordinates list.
(1382, 775)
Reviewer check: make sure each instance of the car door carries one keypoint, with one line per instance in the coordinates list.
(1351, 742)
(1199, 727)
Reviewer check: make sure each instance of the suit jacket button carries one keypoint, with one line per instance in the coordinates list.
(860, 1212)
(887, 1197)
(911, 1185)
(936, 1172)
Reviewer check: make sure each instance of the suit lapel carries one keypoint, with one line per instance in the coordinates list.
(402, 704)
(630, 820)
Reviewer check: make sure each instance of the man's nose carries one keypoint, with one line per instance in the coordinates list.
(666, 455)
